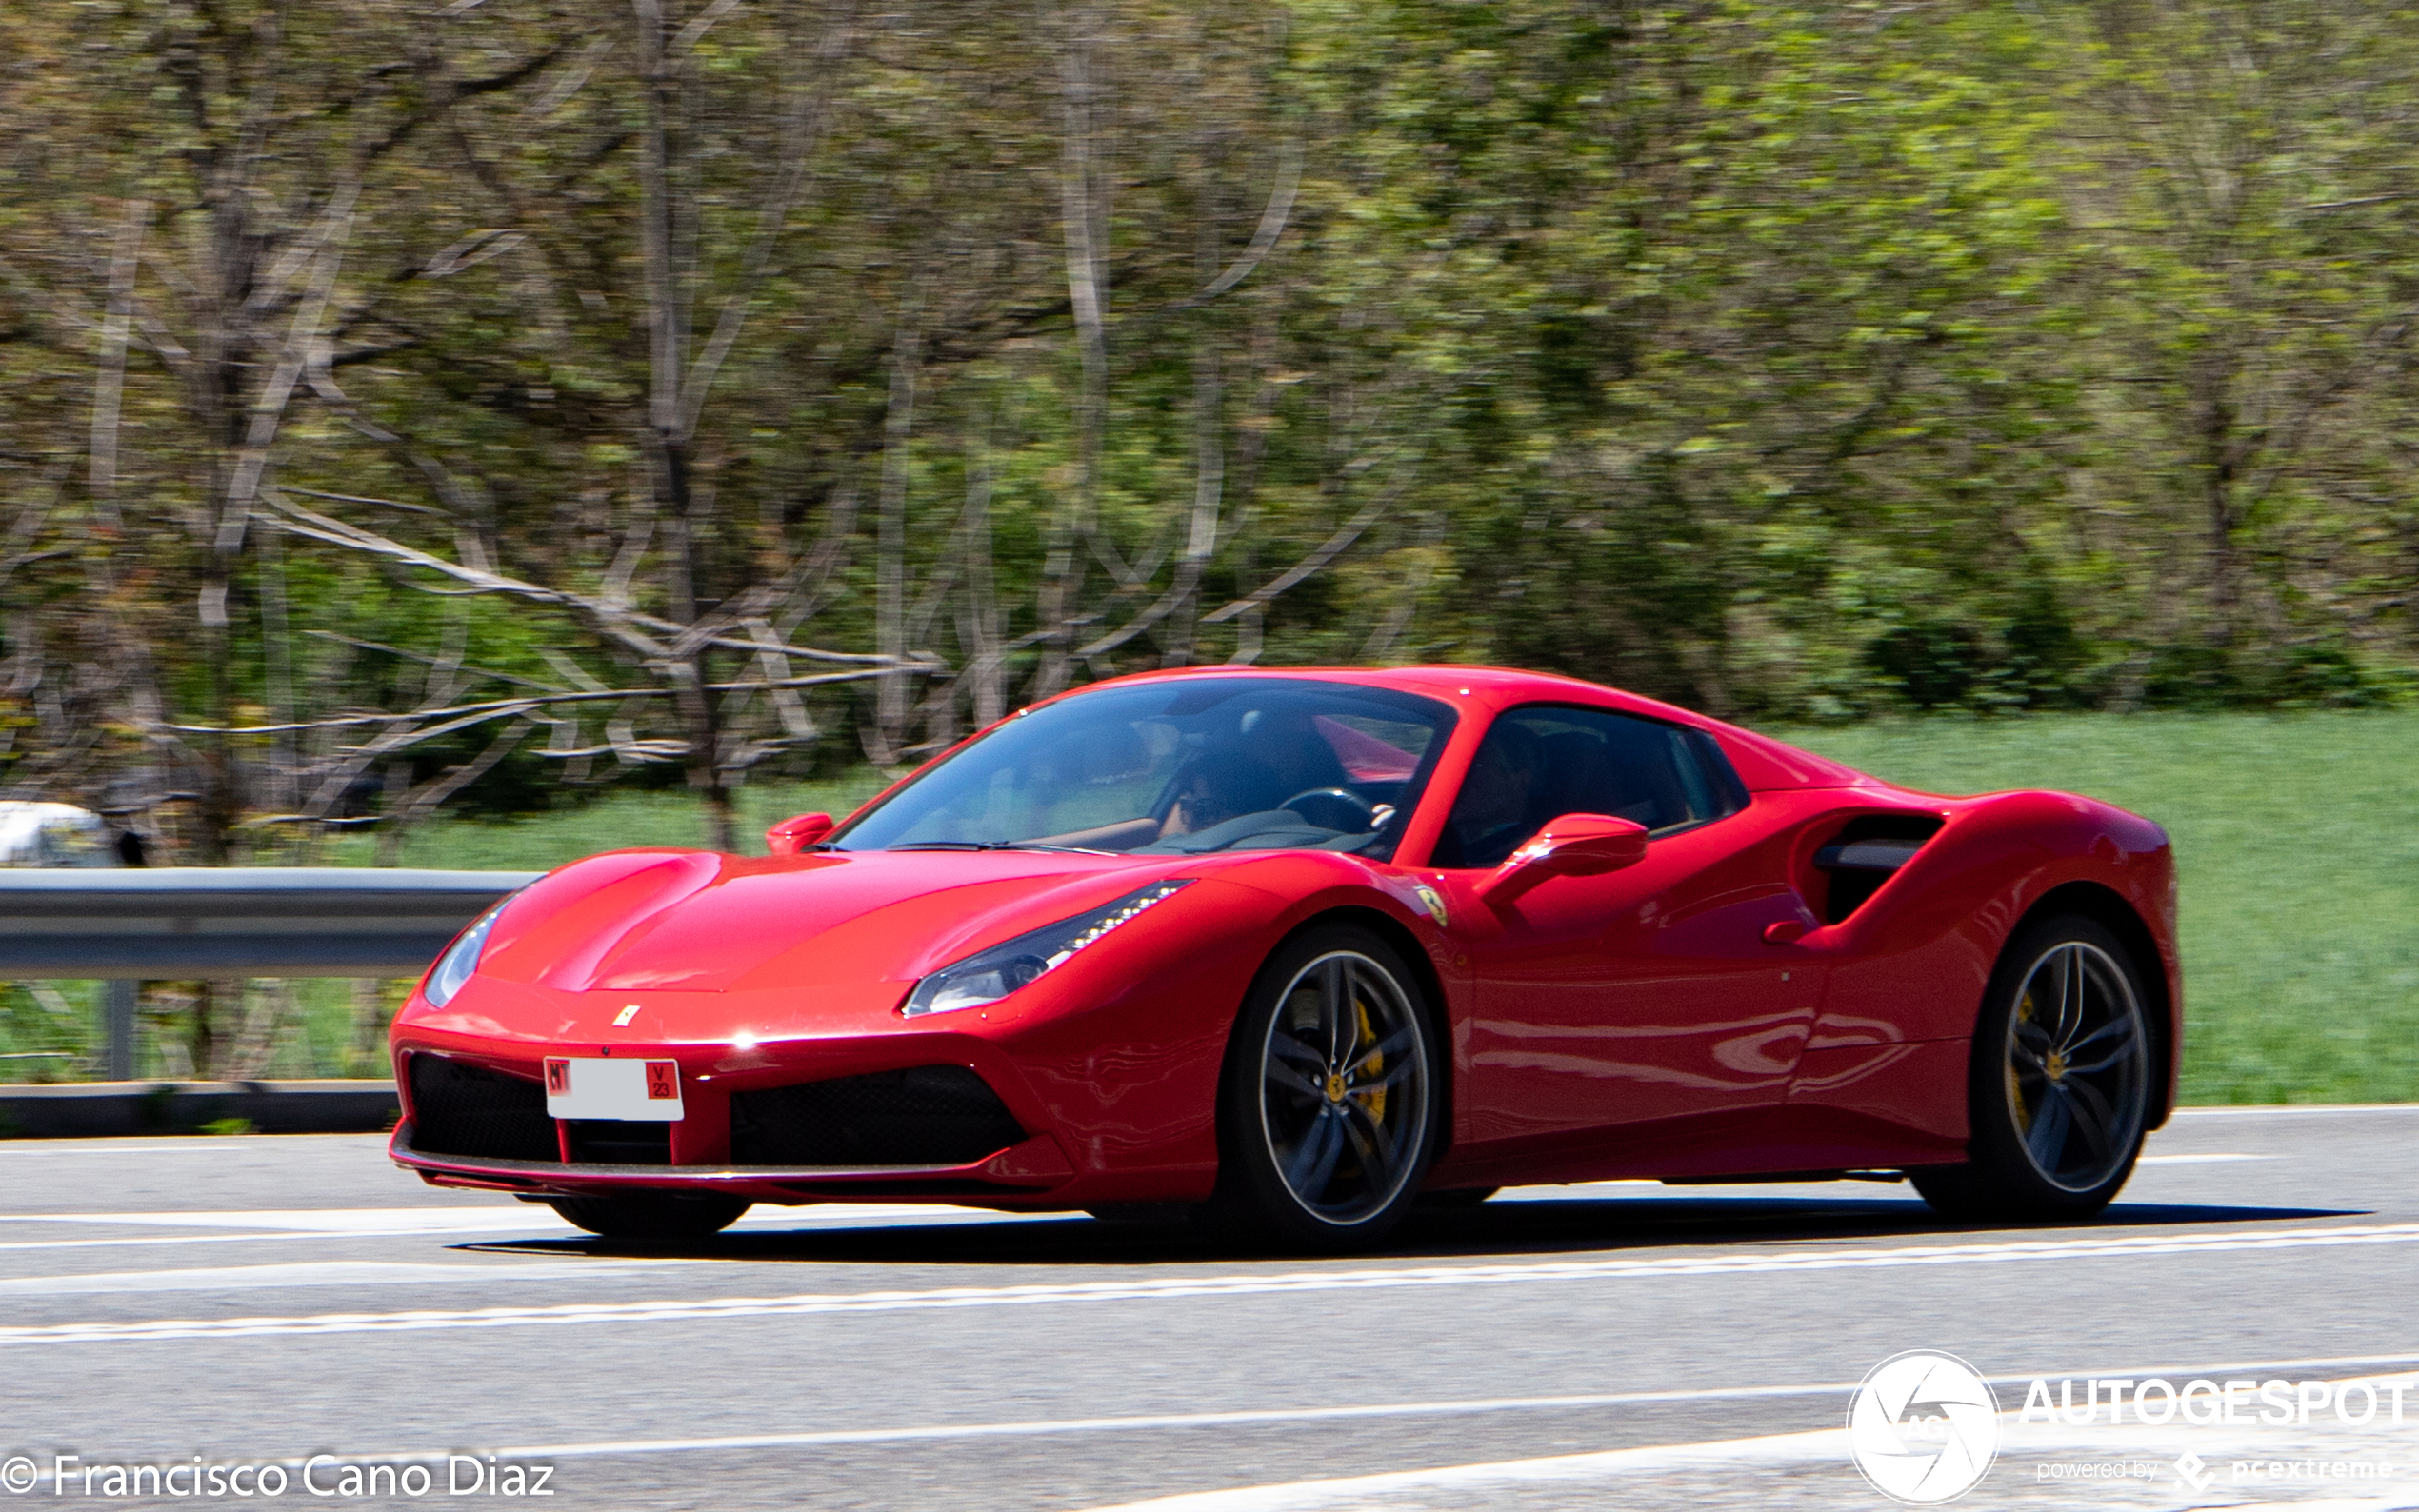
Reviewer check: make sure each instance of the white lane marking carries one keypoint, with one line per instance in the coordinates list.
(217, 1238)
(1388, 1491)
(538, 1221)
(2295, 1110)
(29, 1149)
(2020, 1442)
(2197, 1160)
(1242, 1284)
(322, 1219)
(319, 1273)
(1048, 1427)
(2382, 1503)
(1065, 1425)
(455, 1218)
(1165, 1422)
(1394, 1491)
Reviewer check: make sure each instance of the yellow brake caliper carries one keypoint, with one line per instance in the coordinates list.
(2016, 1092)
(1373, 1100)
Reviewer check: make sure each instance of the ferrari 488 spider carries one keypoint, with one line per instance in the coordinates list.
(1299, 950)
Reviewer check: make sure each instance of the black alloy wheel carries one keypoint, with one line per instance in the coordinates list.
(2060, 1083)
(1330, 1109)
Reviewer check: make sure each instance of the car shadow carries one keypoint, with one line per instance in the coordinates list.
(1503, 1227)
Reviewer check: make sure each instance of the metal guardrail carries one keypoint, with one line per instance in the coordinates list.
(171, 923)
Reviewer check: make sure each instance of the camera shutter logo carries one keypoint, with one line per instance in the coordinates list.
(1923, 1428)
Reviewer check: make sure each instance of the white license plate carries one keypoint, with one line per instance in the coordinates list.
(585, 1087)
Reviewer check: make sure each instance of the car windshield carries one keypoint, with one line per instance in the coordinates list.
(1179, 767)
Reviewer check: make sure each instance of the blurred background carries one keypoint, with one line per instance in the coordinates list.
(479, 433)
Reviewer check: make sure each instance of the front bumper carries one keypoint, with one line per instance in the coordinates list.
(935, 1131)
(1015, 1177)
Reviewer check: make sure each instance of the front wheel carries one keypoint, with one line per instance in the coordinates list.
(1329, 1112)
(2059, 1091)
(651, 1215)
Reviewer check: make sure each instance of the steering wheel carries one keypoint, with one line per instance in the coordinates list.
(1356, 812)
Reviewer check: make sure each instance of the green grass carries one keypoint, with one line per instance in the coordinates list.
(2297, 847)
(2297, 837)
(664, 817)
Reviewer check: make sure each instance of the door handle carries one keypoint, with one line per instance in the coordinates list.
(1787, 931)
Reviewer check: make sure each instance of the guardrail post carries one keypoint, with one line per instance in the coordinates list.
(117, 1007)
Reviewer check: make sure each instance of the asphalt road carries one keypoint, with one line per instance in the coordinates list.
(261, 1301)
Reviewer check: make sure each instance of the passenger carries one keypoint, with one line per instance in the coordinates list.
(1495, 811)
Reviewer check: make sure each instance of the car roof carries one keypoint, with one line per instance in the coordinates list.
(1763, 764)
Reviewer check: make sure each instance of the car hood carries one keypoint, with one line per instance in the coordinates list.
(702, 922)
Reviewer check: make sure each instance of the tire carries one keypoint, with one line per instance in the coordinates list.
(1330, 1108)
(2059, 1085)
(651, 1215)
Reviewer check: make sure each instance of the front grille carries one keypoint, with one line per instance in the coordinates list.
(928, 1115)
(620, 1142)
(458, 1108)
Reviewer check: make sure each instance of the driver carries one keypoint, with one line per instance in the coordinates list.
(1219, 784)
(1287, 741)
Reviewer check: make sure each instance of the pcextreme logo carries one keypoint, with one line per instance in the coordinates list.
(1923, 1428)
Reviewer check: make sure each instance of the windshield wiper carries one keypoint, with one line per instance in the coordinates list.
(997, 844)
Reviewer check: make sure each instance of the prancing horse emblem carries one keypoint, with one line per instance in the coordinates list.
(1434, 901)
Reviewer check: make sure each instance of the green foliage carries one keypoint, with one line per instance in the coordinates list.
(49, 1031)
(1791, 360)
(613, 823)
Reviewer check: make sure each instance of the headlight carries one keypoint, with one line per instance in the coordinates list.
(994, 974)
(462, 958)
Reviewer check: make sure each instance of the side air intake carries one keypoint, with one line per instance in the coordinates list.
(459, 1108)
(1866, 852)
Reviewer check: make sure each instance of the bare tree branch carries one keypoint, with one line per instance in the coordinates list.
(625, 625)
(1326, 552)
(472, 713)
(1272, 219)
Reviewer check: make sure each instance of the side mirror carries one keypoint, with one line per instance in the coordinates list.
(796, 833)
(1573, 845)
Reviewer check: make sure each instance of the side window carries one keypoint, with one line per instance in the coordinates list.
(1544, 761)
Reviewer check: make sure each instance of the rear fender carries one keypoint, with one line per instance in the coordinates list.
(1911, 964)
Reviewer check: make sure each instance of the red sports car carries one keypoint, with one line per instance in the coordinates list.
(1302, 949)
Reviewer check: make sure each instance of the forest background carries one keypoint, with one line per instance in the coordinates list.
(486, 405)
(493, 399)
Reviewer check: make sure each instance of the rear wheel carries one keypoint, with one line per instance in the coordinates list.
(651, 1215)
(2059, 1088)
(1327, 1116)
